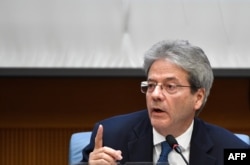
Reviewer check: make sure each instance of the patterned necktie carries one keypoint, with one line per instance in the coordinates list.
(165, 149)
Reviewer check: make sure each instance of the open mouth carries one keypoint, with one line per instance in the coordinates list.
(157, 110)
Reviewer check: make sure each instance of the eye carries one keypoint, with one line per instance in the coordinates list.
(151, 85)
(170, 87)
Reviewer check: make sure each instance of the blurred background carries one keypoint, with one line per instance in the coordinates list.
(66, 64)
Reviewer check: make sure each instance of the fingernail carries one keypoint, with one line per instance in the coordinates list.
(119, 155)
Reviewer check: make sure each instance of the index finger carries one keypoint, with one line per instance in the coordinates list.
(98, 137)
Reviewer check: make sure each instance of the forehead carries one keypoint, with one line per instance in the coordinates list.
(165, 70)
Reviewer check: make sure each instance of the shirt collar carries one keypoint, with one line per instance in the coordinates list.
(183, 140)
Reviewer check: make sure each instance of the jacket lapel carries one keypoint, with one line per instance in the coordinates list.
(140, 145)
(200, 146)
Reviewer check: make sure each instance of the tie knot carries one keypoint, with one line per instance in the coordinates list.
(165, 149)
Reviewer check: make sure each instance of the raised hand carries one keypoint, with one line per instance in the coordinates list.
(103, 155)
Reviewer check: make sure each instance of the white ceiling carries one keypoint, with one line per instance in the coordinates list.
(116, 33)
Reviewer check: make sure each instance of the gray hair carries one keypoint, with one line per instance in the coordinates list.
(188, 57)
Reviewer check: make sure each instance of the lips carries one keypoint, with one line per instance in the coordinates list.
(157, 110)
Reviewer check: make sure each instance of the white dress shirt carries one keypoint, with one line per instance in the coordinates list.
(173, 158)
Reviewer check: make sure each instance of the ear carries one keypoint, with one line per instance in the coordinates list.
(199, 98)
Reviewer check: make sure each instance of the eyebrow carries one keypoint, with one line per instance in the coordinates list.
(171, 78)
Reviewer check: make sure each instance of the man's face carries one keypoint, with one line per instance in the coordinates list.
(171, 112)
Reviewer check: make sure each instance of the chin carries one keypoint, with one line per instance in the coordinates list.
(160, 125)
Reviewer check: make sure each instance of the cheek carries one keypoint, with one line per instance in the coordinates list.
(181, 105)
(148, 99)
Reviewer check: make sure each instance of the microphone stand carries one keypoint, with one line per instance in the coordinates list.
(178, 150)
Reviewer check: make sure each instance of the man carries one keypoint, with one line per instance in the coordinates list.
(179, 79)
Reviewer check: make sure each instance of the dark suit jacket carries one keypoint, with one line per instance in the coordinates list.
(132, 134)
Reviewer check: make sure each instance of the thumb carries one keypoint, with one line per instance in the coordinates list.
(98, 137)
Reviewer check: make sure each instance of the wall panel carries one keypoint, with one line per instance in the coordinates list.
(34, 146)
(38, 115)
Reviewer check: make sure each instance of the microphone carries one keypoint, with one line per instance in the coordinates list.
(174, 144)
